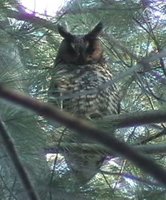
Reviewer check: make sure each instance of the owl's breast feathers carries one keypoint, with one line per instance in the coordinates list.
(82, 90)
(81, 84)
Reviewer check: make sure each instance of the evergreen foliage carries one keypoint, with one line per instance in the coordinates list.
(135, 46)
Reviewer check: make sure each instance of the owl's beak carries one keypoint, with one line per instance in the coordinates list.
(81, 56)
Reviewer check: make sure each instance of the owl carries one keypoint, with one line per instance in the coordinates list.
(78, 86)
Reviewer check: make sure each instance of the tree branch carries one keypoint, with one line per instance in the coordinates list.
(31, 18)
(98, 148)
(84, 128)
(9, 144)
(133, 119)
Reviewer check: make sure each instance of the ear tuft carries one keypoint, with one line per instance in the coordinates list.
(64, 33)
(95, 31)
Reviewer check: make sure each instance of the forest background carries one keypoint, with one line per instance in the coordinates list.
(31, 157)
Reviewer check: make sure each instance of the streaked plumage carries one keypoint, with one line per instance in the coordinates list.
(77, 86)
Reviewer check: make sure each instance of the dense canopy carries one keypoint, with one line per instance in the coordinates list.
(32, 164)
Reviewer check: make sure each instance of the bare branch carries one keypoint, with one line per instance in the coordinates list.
(32, 19)
(133, 119)
(97, 148)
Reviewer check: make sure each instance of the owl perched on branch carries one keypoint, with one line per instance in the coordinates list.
(78, 86)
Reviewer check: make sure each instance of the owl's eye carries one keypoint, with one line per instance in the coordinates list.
(76, 46)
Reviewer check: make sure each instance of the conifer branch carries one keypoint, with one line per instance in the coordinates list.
(23, 175)
(85, 128)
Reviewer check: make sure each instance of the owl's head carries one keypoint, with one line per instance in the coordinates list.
(80, 49)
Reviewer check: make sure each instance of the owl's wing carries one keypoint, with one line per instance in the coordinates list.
(54, 95)
(58, 86)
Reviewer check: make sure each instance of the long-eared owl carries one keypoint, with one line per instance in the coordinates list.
(78, 86)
